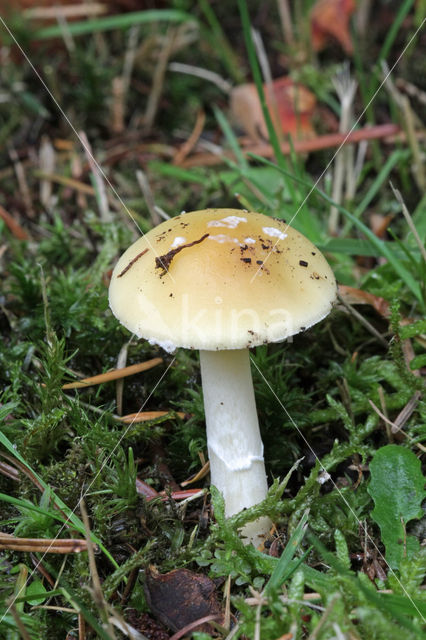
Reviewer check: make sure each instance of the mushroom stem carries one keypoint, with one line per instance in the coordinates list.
(233, 436)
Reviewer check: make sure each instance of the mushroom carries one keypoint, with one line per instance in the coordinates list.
(222, 281)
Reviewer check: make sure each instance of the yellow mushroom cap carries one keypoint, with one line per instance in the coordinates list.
(221, 279)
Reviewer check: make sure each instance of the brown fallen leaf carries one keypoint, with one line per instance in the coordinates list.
(295, 105)
(180, 597)
(330, 21)
(379, 223)
(352, 295)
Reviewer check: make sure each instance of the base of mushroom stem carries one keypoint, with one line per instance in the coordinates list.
(241, 490)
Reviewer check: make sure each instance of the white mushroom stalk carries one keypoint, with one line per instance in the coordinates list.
(233, 437)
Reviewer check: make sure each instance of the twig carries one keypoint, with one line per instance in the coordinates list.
(22, 182)
(269, 84)
(119, 387)
(363, 321)
(47, 165)
(132, 262)
(394, 427)
(227, 593)
(324, 616)
(123, 626)
(97, 593)
(121, 83)
(409, 221)
(9, 471)
(66, 33)
(193, 625)
(21, 627)
(130, 56)
(38, 566)
(406, 412)
(286, 23)
(343, 165)
(299, 146)
(158, 79)
(199, 72)
(162, 213)
(84, 9)
(186, 148)
(71, 183)
(42, 545)
(362, 16)
(412, 90)
(149, 198)
(100, 188)
(385, 412)
(117, 105)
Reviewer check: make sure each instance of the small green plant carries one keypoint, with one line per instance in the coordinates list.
(397, 488)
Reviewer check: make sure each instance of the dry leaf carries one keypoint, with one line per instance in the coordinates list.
(330, 21)
(295, 105)
(379, 223)
(180, 597)
(357, 296)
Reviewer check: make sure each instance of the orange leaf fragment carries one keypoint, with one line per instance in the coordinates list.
(14, 226)
(295, 106)
(198, 476)
(144, 416)
(330, 21)
(114, 374)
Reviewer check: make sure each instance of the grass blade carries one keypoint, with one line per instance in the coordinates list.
(393, 30)
(390, 163)
(231, 138)
(285, 567)
(123, 21)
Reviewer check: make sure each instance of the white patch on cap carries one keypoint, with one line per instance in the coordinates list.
(230, 222)
(221, 238)
(177, 242)
(274, 232)
(249, 240)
